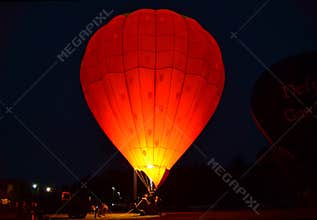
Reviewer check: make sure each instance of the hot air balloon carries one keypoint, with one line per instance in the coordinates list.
(284, 109)
(152, 79)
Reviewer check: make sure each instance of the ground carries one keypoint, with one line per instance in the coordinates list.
(215, 215)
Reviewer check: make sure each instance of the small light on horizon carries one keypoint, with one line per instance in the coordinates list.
(34, 185)
(48, 189)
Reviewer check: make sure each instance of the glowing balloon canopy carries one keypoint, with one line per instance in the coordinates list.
(152, 79)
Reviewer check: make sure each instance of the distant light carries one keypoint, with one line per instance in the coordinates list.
(113, 188)
(48, 189)
(118, 193)
(4, 201)
(150, 166)
(34, 186)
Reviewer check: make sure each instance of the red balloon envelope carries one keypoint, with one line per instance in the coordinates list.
(152, 79)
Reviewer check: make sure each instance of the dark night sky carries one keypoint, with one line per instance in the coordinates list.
(32, 34)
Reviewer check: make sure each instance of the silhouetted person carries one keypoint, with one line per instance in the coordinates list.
(96, 211)
(142, 206)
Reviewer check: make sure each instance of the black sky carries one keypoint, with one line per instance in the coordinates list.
(32, 34)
